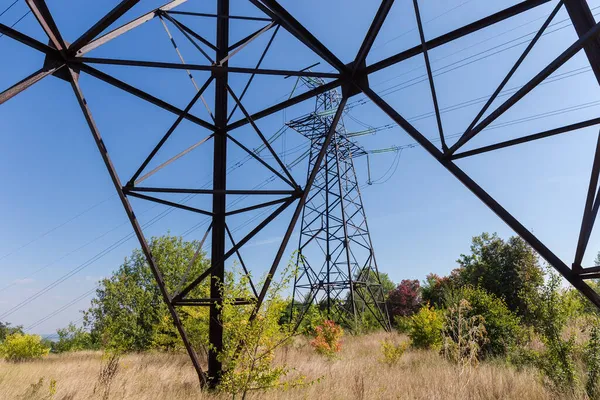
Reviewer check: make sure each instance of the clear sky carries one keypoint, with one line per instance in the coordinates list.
(60, 214)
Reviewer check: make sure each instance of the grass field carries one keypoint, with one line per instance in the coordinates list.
(357, 374)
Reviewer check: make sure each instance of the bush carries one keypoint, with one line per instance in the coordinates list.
(20, 347)
(502, 325)
(425, 328)
(392, 352)
(327, 339)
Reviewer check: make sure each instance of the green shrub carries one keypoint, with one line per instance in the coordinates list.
(425, 330)
(502, 325)
(20, 347)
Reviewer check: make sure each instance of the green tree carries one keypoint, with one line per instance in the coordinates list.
(552, 309)
(6, 329)
(72, 338)
(508, 269)
(128, 312)
(435, 288)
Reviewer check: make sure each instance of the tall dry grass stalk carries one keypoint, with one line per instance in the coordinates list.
(357, 374)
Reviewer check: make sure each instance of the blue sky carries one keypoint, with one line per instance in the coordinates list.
(57, 193)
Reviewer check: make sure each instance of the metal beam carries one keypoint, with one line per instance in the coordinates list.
(583, 20)
(285, 104)
(218, 69)
(29, 41)
(436, 107)
(102, 24)
(143, 95)
(240, 17)
(457, 33)
(134, 223)
(589, 216)
(166, 136)
(514, 68)
(529, 86)
(528, 138)
(41, 12)
(127, 27)
(219, 201)
(287, 21)
(27, 82)
(378, 20)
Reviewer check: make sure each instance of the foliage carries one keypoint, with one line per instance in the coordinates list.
(405, 299)
(402, 324)
(6, 329)
(425, 330)
(328, 338)
(72, 338)
(551, 309)
(502, 326)
(592, 358)
(367, 321)
(386, 283)
(128, 312)
(250, 344)
(464, 335)
(313, 316)
(509, 270)
(435, 289)
(392, 351)
(21, 347)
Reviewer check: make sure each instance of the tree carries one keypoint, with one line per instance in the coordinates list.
(552, 309)
(6, 329)
(508, 269)
(405, 299)
(72, 338)
(435, 288)
(128, 312)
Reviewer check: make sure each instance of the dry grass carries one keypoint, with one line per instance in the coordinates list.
(357, 374)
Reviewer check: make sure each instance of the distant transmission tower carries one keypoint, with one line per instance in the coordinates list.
(336, 263)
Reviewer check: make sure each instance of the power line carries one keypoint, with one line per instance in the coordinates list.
(113, 246)
(9, 7)
(55, 228)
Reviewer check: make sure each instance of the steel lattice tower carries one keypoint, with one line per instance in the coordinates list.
(336, 266)
(69, 59)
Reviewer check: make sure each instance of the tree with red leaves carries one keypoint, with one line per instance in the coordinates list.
(405, 299)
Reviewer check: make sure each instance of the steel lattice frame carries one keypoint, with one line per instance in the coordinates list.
(67, 61)
(336, 264)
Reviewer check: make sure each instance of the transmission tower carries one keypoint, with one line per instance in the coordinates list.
(336, 266)
(69, 59)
